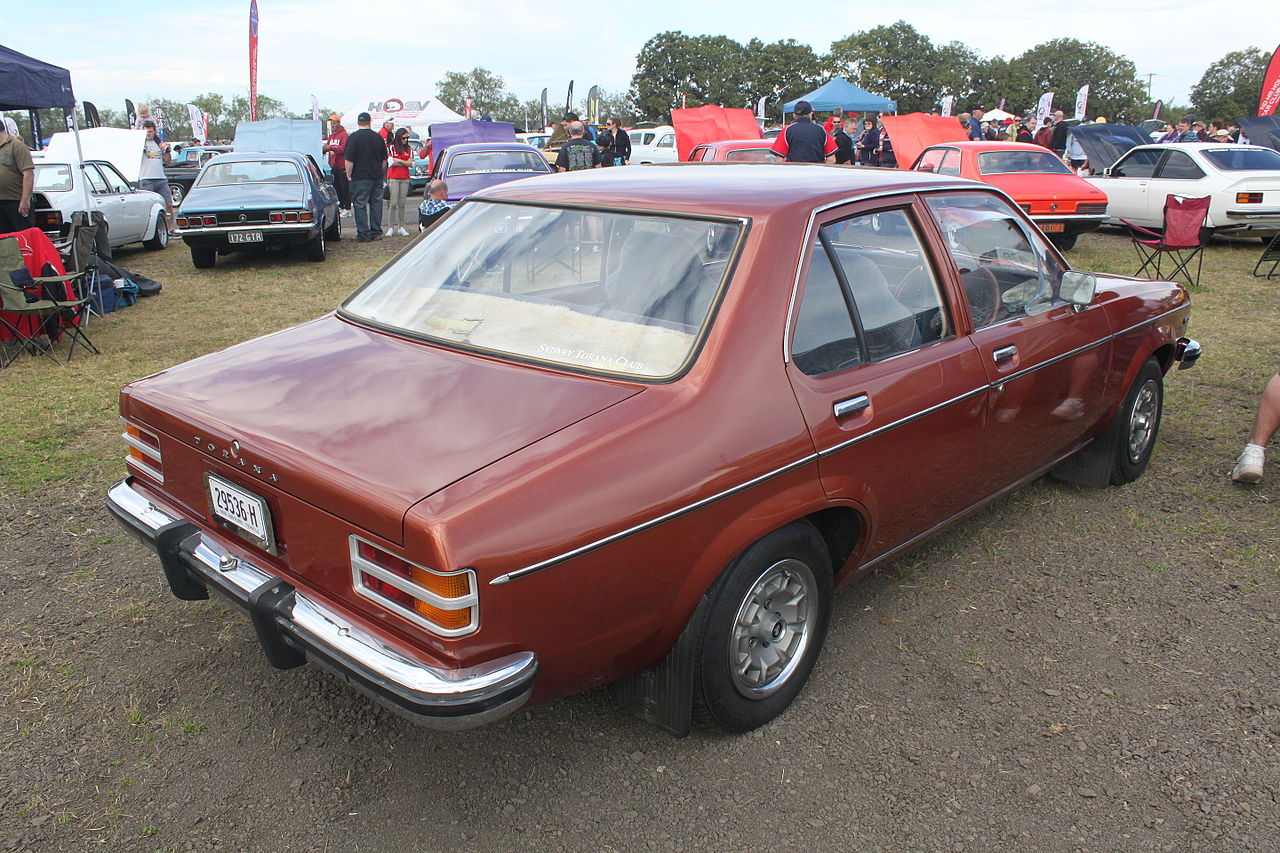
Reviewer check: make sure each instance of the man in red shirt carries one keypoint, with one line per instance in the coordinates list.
(335, 145)
(803, 141)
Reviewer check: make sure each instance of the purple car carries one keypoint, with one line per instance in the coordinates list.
(469, 167)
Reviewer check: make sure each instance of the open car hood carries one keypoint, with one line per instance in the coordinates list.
(914, 132)
(1263, 130)
(360, 423)
(1104, 144)
(711, 124)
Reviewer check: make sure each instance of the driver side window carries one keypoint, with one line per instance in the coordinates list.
(96, 184)
(1005, 271)
(1138, 164)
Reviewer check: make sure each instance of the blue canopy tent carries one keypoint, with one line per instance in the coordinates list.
(839, 92)
(29, 84)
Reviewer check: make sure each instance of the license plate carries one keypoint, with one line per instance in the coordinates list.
(244, 512)
(1052, 226)
(244, 237)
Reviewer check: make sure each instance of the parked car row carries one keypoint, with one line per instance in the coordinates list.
(632, 426)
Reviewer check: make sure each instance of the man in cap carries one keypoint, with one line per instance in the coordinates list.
(803, 141)
(975, 123)
(335, 145)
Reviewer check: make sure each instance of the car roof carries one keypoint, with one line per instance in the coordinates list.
(472, 147)
(986, 145)
(737, 143)
(751, 189)
(238, 156)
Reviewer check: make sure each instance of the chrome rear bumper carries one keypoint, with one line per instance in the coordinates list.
(293, 627)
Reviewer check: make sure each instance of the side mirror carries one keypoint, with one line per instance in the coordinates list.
(1077, 288)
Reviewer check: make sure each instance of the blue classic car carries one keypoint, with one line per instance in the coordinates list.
(258, 200)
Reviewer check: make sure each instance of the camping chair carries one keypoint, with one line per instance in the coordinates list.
(82, 257)
(1270, 255)
(26, 319)
(1181, 243)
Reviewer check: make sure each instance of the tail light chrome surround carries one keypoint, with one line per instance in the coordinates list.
(144, 451)
(374, 569)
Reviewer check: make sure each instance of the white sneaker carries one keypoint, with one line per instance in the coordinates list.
(1249, 466)
(391, 232)
(345, 213)
(402, 232)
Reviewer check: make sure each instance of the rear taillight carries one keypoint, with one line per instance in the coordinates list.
(275, 217)
(1248, 198)
(209, 220)
(182, 221)
(1091, 207)
(144, 451)
(48, 220)
(443, 603)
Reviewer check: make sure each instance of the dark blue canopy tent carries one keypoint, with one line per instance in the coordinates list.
(29, 84)
(839, 92)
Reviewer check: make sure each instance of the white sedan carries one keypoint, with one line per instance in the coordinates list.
(654, 145)
(133, 215)
(1242, 181)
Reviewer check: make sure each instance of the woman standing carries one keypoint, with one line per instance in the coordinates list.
(399, 158)
(615, 144)
(869, 144)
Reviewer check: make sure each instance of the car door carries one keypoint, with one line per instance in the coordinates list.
(1128, 188)
(1176, 174)
(1047, 361)
(326, 196)
(893, 395)
(111, 204)
(134, 206)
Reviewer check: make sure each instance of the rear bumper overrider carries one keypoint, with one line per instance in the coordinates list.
(293, 627)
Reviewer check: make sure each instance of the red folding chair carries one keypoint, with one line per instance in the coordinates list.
(1181, 242)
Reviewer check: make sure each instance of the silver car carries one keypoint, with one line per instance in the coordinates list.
(133, 215)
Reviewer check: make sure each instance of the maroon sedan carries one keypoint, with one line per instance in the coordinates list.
(633, 425)
(734, 151)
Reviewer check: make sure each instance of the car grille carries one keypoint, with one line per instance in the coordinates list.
(1091, 208)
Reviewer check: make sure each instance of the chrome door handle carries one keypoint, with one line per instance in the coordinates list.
(1004, 353)
(853, 404)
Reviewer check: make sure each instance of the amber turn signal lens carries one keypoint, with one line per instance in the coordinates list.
(1248, 198)
(451, 620)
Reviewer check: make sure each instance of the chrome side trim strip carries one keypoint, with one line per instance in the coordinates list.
(981, 389)
(654, 522)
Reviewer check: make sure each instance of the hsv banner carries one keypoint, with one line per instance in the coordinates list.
(199, 128)
(1044, 108)
(253, 60)
(1270, 97)
(1082, 100)
(948, 103)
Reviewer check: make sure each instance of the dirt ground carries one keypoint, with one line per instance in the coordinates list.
(1070, 670)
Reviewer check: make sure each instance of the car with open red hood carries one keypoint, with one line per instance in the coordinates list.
(633, 426)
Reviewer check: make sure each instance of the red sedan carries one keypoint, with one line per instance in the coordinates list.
(735, 151)
(634, 425)
(1063, 204)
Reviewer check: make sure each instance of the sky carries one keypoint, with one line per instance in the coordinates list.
(345, 52)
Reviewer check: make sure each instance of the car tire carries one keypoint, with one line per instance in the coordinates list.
(1120, 455)
(315, 248)
(160, 237)
(1065, 242)
(203, 257)
(755, 652)
(176, 194)
(334, 232)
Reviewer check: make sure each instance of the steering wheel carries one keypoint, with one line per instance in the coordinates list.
(983, 293)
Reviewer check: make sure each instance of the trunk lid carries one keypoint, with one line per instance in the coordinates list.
(356, 422)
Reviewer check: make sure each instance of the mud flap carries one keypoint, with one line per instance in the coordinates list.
(264, 603)
(663, 695)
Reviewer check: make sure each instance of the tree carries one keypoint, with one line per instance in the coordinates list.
(487, 90)
(1063, 65)
(703, 69)
(901, 63)
(779, 71)
(1230, 87)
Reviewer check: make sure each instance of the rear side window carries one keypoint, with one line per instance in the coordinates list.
(1179, 166)
(870, 294)
(1243, 159)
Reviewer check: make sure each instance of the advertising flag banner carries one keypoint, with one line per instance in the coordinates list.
(1001, 105)
(253, 60)
(1082, 100)
(131, 113)
(158, 115)
(593, 105)
(1270, 97)
(199, 129)
(467, 108)
(568, 100)
(545, 118)
(91, 117)
(760, 107)
(1044, 108)
(315, 109)
(948, 104)
(1156, 112)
